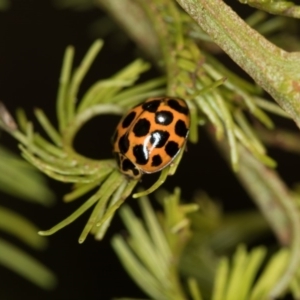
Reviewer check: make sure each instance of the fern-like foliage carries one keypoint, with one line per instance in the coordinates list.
(152, 254)
(214, 95)
(59, 160)
(153, 251)
(218, 99)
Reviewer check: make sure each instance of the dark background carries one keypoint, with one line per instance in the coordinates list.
(33, 37)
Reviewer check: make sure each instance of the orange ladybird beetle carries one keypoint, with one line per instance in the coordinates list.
(150, 135)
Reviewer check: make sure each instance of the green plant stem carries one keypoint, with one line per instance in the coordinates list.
(46, 124)
(281, 7)
(61, 105)
(272, 68)
(108, 188)
(76, 214)
(77, 78)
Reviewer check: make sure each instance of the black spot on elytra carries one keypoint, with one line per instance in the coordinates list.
(156, 160)
(172, 148)
(173, 103)
(151, 106)
(124, 143)
(163, 117)
(180, 128)
(128, 119)
(141, 127)
(159, 138)
(141, 154)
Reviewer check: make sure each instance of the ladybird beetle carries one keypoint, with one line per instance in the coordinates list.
(150, 135)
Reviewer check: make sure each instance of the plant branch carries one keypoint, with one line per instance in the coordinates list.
(281, 7)
(272, 68)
